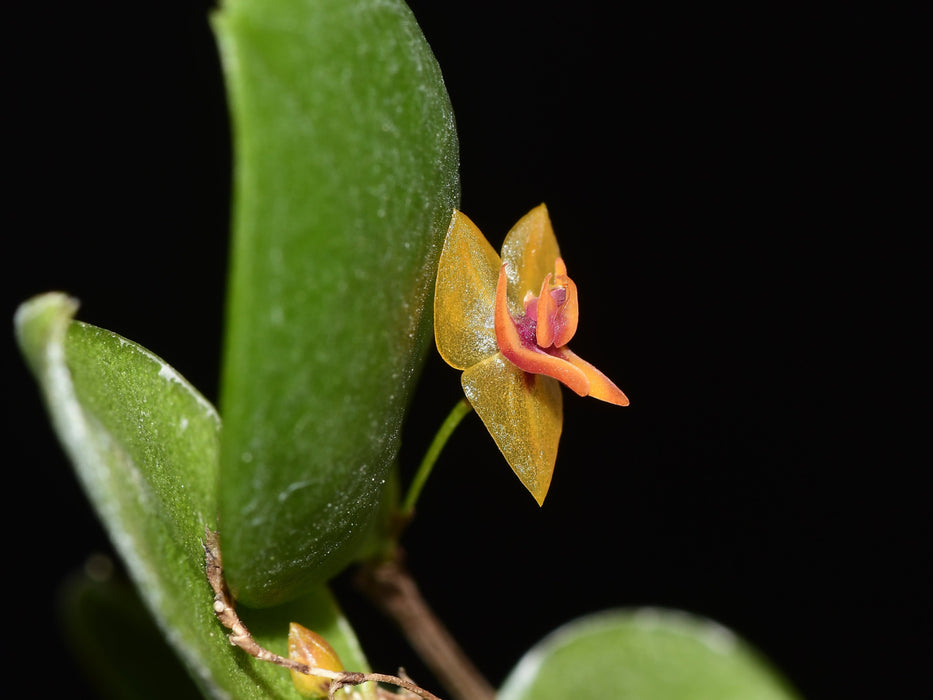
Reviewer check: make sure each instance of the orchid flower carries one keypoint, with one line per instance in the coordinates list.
(506, 323)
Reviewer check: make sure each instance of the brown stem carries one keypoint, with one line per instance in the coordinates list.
(392, 589)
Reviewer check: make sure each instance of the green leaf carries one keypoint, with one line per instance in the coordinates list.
(145, 446)
(117, 643)
(648, 654)
(345, 181)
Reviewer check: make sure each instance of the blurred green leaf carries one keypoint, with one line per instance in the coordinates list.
(345, 181)
(145, 446)
(648, 654)
(117, 643)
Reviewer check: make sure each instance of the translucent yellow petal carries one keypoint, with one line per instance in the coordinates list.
(465, 295)
(523, 413)
(569, 315)
(530, 251)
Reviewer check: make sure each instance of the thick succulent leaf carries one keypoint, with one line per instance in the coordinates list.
(523, 413)
(145, 446)
(647, 654)
(465, 295)
(529, 251)
(345, 180)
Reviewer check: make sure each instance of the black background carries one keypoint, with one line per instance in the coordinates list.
(738, 196)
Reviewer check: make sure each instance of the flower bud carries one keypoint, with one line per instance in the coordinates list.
(307, 647)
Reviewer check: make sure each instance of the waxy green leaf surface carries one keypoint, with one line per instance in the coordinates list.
(145, 446)
(345, 181)
(649, 654)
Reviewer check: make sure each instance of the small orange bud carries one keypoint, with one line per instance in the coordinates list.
(307, 647)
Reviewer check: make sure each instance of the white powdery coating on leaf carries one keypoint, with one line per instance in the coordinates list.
(170, 374)
(713, 635)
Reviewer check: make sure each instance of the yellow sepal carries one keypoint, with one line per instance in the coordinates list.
(523, 413)
(465, 295)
